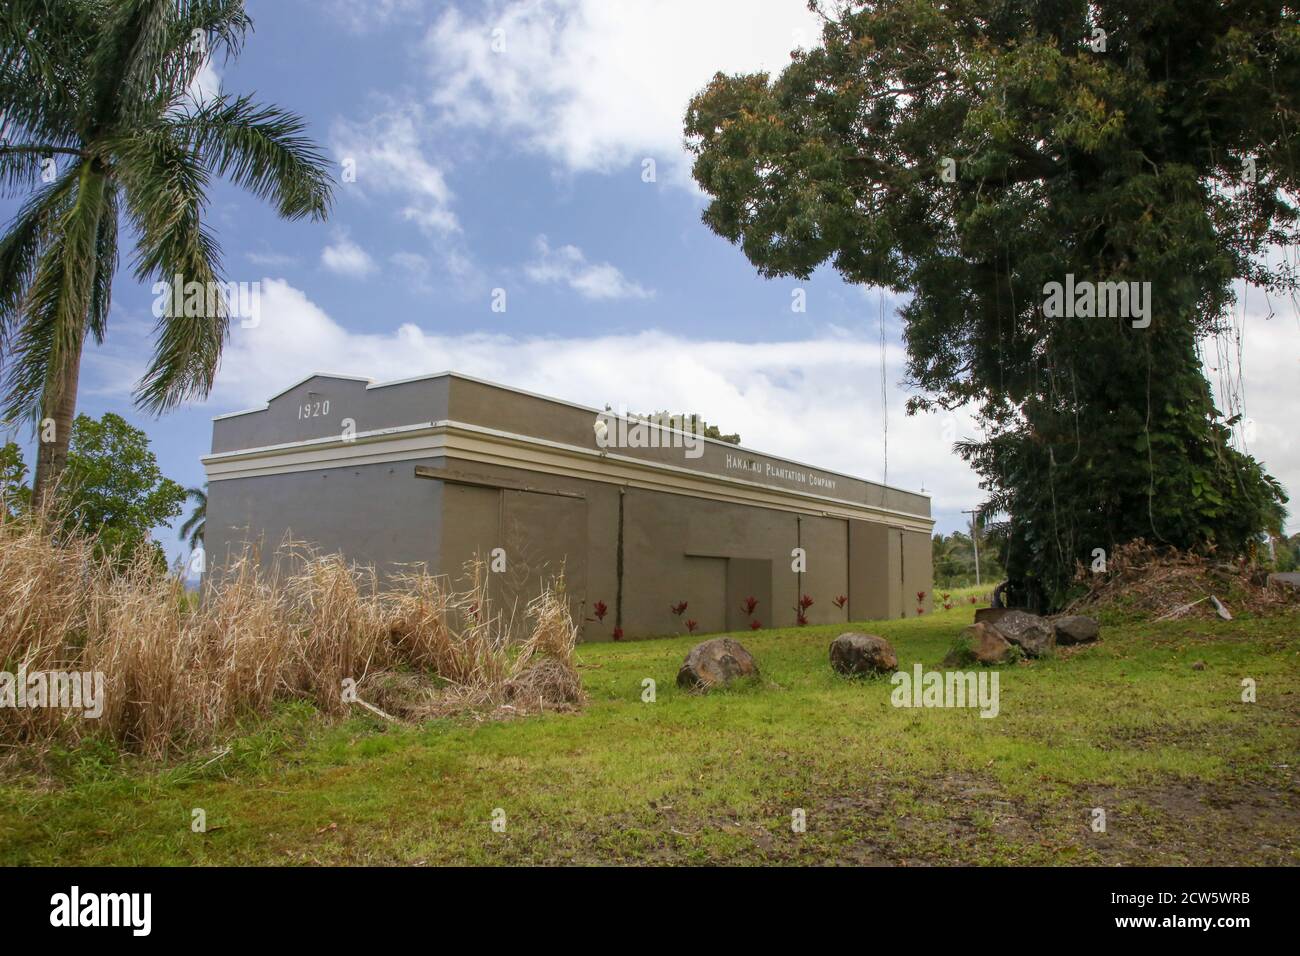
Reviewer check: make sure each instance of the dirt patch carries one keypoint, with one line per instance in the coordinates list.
(968, 819)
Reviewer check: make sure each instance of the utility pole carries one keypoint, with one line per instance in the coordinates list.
(975, 542)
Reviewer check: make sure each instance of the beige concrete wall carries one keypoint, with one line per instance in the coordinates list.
(826, 544)
(661, 531)
(917, 571)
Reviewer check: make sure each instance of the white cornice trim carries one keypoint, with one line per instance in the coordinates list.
(464, 441)
(371, 384)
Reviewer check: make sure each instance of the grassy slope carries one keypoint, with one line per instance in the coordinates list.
(1185, 770)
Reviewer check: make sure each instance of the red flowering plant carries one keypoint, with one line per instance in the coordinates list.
(840, 601)
(691, 625)
(618, 634)
(601, 609)
(805, 603)
(751, 602)
(679, 609)
(755, 624)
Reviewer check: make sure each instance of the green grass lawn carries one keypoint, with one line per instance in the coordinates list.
(1186, 772)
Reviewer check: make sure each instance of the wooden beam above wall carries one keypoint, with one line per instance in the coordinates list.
(457, 477)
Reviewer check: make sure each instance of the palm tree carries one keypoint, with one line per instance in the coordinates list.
(194, 526)
(101, 124)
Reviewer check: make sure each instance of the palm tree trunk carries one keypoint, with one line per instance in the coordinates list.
(60, 408)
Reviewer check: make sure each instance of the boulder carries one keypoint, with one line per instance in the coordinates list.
(1076, 629)
(991, 615)
(715, 663)
(1029, 632)
(1289, 579)
(856, 653)
(979, 644)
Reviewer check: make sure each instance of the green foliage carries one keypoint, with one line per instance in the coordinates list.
(1287, 553)
(953, 560)
(1121, 162)
(15, 496)
(115, 488)
(112, 487)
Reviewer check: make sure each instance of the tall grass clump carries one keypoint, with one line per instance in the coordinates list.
(303, 626)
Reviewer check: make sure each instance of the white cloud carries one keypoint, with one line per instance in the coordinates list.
(346, 258)
(597, 85)
(205, 85)
(591, 280)
(388, 157)
(1270, 369)
(815, 400)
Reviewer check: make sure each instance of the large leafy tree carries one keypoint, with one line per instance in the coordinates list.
(112, 488)
(103, 130)
(972, 152)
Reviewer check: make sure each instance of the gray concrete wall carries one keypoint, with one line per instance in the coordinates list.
(374, 514)
(317, 407)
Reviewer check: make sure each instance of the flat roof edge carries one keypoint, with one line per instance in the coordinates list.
(371, 384)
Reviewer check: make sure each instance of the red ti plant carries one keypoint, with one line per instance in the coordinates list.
(920, 597)
(601, 609)
(972, 599)
(920, 610)
(678, 609)
(751, 602)
(755, 624)
(805, 603)
(840, 601)
(691, 625)
(618, 634)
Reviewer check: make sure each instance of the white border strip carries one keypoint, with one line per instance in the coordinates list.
(490, 446)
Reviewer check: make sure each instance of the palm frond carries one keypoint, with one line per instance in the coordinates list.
(25, 241)
(263, 149)
(221, 25)
(165, 188)
(122, 70)
(101, 296)
(55, 308)
(43, 49)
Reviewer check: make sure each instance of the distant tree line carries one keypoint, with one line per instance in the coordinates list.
(954, 561)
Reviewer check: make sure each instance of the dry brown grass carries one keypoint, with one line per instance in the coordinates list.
(1148, 583)
(176, 677)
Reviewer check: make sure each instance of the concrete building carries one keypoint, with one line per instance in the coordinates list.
(437, 469)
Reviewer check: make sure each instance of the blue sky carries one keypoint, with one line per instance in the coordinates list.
(503, 146)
